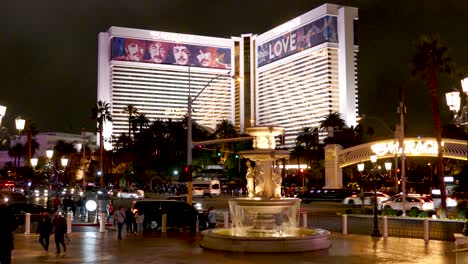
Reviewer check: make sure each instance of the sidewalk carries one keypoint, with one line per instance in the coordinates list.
(91, 246)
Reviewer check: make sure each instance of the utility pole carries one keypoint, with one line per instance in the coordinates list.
(402, 112)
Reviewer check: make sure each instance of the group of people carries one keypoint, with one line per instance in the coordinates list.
(172, 53)
(132, 220)
(58, 227)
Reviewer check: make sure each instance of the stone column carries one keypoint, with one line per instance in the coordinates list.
(333, 172)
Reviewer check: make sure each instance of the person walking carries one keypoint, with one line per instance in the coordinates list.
(110, 210)
(140, 218)
(211, 217)
(129, 219)
(44, 228)
(59, 230)
(7, 226)
(119, 217)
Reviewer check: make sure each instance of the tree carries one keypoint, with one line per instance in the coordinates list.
(131, 111)
(333, 120)
(102, 114)
(430, 61)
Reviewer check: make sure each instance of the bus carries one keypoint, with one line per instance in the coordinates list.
(206, 187)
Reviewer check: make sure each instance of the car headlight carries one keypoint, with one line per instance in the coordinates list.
(99, 192)
(198, 206)
(6, 199)
(36, 191)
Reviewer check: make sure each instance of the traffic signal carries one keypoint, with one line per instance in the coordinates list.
(218, 153)
(186, 169)
(200, 146)
(236, 155)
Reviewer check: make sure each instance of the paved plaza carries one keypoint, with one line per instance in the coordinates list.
(90, 246)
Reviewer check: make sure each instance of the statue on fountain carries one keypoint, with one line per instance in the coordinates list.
(259, 181)
(276, 180)
(250, 179)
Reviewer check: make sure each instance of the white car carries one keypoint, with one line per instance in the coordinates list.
(365, 198)
(131, 194)
(412, 202)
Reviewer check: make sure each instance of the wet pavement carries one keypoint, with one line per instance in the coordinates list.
(88, 245)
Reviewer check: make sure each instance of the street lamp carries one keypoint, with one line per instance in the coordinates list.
(2, 113)
(372, 176)
(460, 117)
(190, 101)
(34, 162)
(64, 162)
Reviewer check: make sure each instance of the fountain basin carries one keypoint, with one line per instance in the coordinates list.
(303, 240)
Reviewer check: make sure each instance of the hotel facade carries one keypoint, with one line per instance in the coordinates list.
(291, 76)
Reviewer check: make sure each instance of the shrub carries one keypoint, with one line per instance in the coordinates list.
(424, 214)
(413, 213)
(389, 212)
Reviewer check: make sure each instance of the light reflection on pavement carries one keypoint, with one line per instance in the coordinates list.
(175, 247)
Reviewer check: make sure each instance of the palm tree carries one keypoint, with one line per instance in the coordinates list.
(333, 120)
(309, 140)
(431, 60)
(102, 114)
(141, 120)
(130, 110)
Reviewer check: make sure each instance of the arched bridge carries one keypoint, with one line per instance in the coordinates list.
(336, 158)
(414, 147)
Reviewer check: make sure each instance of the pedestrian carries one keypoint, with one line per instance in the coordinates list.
(119, 216)
(57, 203)
(79, 205)
(59, 230)
(110, 210)
(129, 219)
(7, 226)
(140, 218)
(211, 217)
(44, 228)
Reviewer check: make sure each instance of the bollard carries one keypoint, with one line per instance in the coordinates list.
(69, 225)
(345, 224)
(385, 226)
(86, 217)
(197, 227)
(226, 219)
(27, 224)
(164, 223)
(102, 223)
(426, 230)
(304, 220)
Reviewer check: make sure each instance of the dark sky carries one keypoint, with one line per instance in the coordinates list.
(49, 49)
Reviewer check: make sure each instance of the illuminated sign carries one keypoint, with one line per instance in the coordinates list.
(171, 36)
(292, 41)
(162, 52)
(415, 147)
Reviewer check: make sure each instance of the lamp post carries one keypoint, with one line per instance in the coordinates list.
(33, 162)
(460, 116)
(373, 177)
(190, 101)
(64, 162)
(2, 113)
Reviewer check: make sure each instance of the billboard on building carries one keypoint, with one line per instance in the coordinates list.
(162, 52)
(306, 36)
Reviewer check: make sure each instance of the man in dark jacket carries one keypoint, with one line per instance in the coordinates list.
(60, 228)
(44, 228)
(7, 227)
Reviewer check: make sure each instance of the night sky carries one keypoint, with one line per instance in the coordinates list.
(48, 70)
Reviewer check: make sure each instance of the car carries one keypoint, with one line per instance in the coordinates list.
(20, 210)
(436, 197)
(131, 194)
(413, 202)
(325, 195)
(365, 198)
(39, 192)
(180, 215)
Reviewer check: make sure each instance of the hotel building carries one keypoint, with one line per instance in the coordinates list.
(291, 76)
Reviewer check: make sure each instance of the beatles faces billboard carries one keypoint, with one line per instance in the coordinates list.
(319, 31)
(161, 52)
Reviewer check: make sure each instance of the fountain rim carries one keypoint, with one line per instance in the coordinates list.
(214, 233)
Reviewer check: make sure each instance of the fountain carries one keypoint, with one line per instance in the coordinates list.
(264, 221)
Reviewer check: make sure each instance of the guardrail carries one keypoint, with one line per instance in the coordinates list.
(436, 229)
